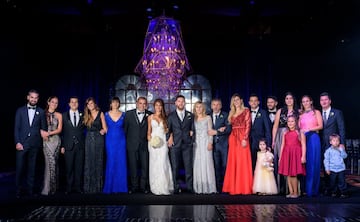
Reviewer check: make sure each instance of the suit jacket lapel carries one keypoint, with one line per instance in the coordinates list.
(136, 117)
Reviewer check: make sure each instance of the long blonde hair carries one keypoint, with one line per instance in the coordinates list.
(232, 106)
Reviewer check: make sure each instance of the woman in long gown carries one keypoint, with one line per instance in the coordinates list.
(238, 175)
(94, 120)
(160, 174)
(290, 108)
(115, 144)
(310, 123)
(203, 170)
(52, 146)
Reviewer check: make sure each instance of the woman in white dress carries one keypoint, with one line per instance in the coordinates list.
(160, 176)
(204, 171)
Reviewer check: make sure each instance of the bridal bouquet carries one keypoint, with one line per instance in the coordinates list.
(156, 142)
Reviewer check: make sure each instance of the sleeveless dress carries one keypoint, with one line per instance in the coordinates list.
(116, 163)
(264, 178)
(51, 152)
(160, 174)
(238, 175)
(204, 170)
(94, 152)
(308, 120)
(290, 162)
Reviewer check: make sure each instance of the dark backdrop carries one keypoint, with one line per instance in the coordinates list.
(84, 56)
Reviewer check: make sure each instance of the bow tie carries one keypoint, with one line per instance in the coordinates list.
(31, 107)
(253, 111)
(272, 112)
(139, 113)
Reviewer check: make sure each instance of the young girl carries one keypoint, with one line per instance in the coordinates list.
(264, 178)
(292, 156)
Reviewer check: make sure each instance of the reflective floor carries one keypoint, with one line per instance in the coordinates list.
(246, 212)
(181, 207)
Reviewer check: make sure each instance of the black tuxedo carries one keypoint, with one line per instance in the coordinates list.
(260, 128)
(220, 145)
(182, 148)
(29, 136)
(137, 149)
(73, 140)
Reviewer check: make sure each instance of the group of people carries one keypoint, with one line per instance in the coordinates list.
(247, 150)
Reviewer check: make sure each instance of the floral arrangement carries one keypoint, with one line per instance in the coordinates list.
(268, 161)
(331, 113)
(188, 115)
(258, 115)
(156, 142)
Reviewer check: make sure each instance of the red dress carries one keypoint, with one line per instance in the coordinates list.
(290, 163)
(238, 175)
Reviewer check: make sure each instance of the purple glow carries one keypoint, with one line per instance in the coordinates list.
(164, 62)
(89, 2)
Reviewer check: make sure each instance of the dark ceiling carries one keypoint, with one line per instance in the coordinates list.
(248, 16)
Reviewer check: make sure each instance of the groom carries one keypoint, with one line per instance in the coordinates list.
(180, 141)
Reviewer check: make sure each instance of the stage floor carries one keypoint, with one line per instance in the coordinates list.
(180, 207)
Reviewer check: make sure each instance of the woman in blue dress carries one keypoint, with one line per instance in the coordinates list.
(116, 170)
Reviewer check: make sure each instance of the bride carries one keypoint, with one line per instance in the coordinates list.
(160, 176)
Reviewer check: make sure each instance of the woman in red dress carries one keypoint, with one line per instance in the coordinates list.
(238, 176)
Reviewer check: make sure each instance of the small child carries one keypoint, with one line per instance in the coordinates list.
(292, 156)
(264, 178)
(335, 167)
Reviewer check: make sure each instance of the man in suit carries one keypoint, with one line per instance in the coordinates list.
(180, 141)
(333, 123)
(135, 127)
(72, 146)
(271, 104)
(260, 127)
(220, 133)
(30, 130)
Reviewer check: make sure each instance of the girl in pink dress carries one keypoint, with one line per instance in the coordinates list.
(292, 156)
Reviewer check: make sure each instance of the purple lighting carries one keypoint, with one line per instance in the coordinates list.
(164, 62)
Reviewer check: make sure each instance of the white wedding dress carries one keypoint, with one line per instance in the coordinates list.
(160, 176)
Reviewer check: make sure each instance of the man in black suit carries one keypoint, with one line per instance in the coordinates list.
(180, 141)
(271, 104)
(135, 127)
(260, 127)
(30, 130)
(72, 146)
(333, 123)
(220, 133)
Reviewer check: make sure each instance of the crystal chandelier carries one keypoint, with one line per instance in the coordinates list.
(164, 63)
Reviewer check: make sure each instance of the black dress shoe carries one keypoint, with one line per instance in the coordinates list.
(177, 191)
(344, 196)
(145, 191)
(131, 191)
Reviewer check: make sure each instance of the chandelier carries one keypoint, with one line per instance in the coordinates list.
(164, 63)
